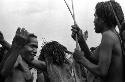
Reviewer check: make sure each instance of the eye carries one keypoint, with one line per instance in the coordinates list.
(33, 46)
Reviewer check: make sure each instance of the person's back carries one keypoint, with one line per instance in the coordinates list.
(115, 72)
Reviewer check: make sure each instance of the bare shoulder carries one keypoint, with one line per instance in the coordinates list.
(109, 34)
(109, 37)
(38, 62)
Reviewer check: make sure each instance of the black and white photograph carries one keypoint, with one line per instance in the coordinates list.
(62, 40)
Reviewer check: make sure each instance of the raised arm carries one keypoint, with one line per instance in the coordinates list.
(105, 54)
(18, 43)
(3, 42)
(82, 43)
(38, 64)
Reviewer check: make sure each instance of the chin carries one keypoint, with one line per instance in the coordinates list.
(97, 31)
(32, 58)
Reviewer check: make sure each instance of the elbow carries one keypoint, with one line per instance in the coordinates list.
(102, 73)
(4, 73)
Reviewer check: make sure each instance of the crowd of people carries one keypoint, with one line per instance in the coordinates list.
(56, 63)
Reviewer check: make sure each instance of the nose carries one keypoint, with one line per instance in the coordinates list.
(34, 53)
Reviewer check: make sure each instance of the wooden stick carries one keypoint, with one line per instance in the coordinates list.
(77, 44)
(73, 12)
(119, 25)
(69, 8)
(73, 16)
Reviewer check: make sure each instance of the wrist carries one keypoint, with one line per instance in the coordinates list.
(16, 47)
(81, 39)
(19, 41)
(1, 41)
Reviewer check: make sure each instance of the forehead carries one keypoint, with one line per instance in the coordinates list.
(33, 40)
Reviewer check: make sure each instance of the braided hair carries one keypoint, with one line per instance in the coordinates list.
(54, 50)
(104, 10)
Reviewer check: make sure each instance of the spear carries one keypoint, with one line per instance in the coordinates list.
(69, 8)
(77, 45)
(73, 16)
(117, 20)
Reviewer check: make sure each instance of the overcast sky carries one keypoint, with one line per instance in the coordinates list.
(49, 19)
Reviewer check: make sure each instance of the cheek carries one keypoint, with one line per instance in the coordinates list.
(29, 49)
(96, 24)
(96, 27)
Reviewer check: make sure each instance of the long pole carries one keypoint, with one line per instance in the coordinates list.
(77, 45)
(73, 16)
(117, 20)
(69, 8)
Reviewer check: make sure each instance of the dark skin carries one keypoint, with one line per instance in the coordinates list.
(84, 47)
(3, 42)
(40, 65)
(123, 38)
(35, 63)
(27, 51)
(18, 43)
(109, 51)
(6, 46)
(1, 36)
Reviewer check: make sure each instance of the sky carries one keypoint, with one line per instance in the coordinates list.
(49, 19)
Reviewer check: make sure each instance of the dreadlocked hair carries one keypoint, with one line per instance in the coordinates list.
(54, 50)
(104, 10)
(122, 30)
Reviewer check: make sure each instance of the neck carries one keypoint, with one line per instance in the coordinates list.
(106, 29)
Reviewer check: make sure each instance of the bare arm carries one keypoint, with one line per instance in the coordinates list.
(105, 54)
(41, 65)
(3, 42)
(84, 47)
(10, 61)
(18, 43)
